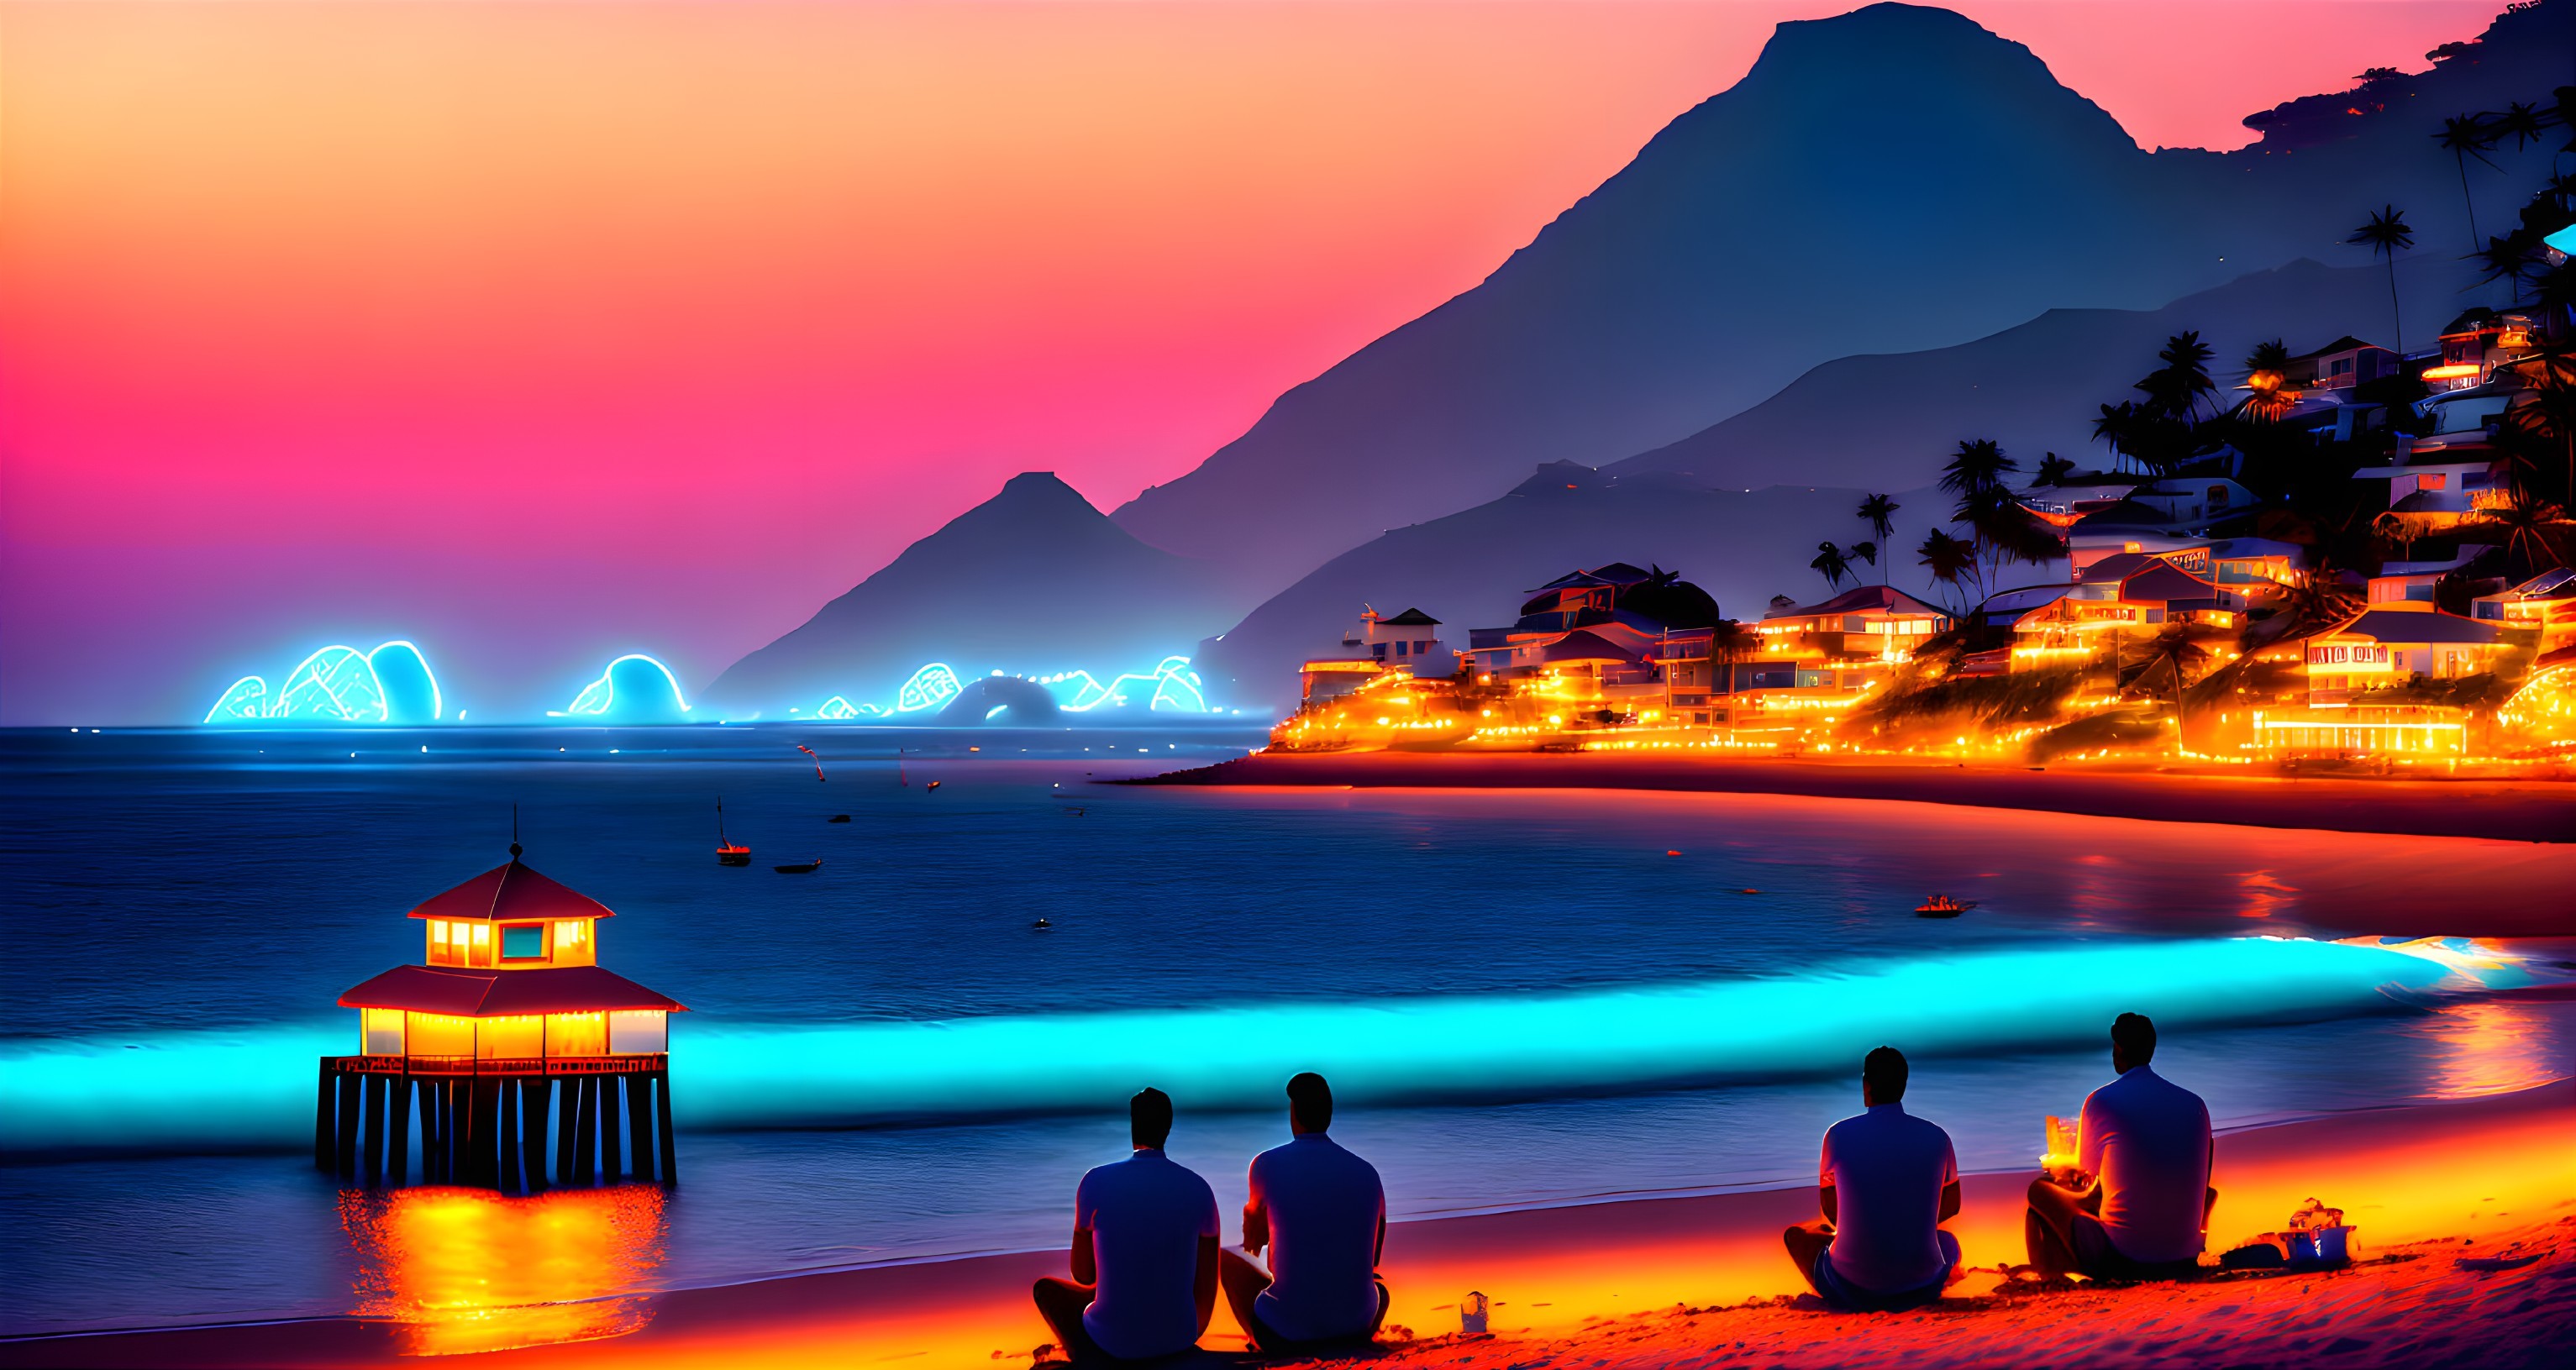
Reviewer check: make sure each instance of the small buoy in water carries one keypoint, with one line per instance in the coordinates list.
(1672, 853)
(838, 818)
(1040, 926)
(1748, 891)
(934, 784)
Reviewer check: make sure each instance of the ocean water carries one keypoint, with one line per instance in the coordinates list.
(1523, 998)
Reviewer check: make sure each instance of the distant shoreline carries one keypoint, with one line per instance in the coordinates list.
(2510, 810)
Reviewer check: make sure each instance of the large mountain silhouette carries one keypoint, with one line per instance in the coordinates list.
(1893, 179)
(1710, 503)
(1033, 580)
(2034, 387)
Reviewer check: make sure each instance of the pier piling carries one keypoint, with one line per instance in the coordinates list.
(611, 1165)
(398, 1163)
(585, 1156)
(662, 1106)
(325, 1118)
(345, 1154)
(639, 1123)
(532, 1132)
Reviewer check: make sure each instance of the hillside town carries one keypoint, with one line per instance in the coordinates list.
(2361, 557)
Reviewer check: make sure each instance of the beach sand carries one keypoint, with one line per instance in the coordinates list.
(1673, 1281)
(2523, 810)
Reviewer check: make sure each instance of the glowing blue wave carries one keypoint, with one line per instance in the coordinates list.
(253, 1089)
(340, 684)
(1170, 687)
(646, 696)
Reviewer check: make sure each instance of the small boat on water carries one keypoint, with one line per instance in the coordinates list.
(1942, 906)
(838, 818)
(1040, 926)
(800, 867)
(728, 853)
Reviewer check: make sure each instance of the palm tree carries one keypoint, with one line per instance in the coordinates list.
(2503, 259)
(2174, 390)
(1978, 466)
(2535, 532)
(2386, 235)
(2521, 121)
(1866, 551)
(2465, 136)
(2267, 369)
(1831, 562)
(2116, 426)
(1879, 512)
(2174, 650)
(1948, 558)
(2052, 469)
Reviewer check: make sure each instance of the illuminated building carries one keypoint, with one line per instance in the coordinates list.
(509, 1020)
(337, 685)
(2545, 605)
(2477, 344)
(2388, 643)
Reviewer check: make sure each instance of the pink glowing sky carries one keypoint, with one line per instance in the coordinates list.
(538, 332)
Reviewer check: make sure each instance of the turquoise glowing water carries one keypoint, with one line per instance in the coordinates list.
(1521, 997)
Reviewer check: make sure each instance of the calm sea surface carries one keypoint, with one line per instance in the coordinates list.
(1526, 997)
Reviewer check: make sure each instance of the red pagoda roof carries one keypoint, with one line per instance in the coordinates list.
(468, 993)
(512, 893)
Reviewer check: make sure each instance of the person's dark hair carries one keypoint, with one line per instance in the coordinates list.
(1882, 1075)
(1310, 1102)
(1149, 1117)
(2135, 1036)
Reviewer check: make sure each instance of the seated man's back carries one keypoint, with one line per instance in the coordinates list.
(1324, 1207)
(2147, 1139)
(1887, 1169)
(1146, 1215)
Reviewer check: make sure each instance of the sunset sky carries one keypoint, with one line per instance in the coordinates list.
(540, 332)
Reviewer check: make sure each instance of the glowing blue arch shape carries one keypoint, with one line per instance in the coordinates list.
(401, 672)
(245, 701)
(600, 696)
(334, 685)
(930, 687)
(1171, 687)
(338, 684)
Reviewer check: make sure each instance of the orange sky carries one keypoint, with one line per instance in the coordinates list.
(446, 318)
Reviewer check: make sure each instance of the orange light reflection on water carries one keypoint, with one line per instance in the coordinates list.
(467, 1271)
(2489, 1046)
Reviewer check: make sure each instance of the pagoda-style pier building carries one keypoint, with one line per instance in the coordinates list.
(510, 1036)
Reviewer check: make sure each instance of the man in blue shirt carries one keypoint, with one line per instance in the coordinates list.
(1144, 1252)
(1322, 1213)
(1887, 1181)
(2136, 1203)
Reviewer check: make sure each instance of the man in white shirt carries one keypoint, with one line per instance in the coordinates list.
(1322, 1213)
(2136, 1205)
(1144, 1252)
(1886, 1181)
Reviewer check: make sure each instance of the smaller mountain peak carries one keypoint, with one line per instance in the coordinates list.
(1038, 482)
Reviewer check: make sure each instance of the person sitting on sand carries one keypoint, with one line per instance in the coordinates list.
(1144, 1252)
(1888, 1180)
(1322, 1213)
(2136, 1205)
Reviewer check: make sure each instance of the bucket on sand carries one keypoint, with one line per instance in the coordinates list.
(2319, 1245)
(1471, 1314)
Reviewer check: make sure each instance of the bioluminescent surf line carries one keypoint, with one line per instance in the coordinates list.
(252, 1090)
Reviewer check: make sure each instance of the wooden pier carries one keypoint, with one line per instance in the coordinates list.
(519, 1127)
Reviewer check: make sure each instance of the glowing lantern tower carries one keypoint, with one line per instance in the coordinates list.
(510, 1021)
